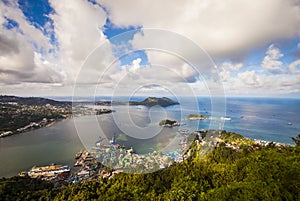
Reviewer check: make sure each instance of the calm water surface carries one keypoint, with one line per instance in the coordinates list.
(56, 144)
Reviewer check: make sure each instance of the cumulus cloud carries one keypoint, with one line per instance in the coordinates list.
(225, 75)
(154, 78)
(271, 61)
(35, 36)
(248, 77)
(222, 28)
(231, 67)
(294, 67)
(228, 29)
(78, 29)
(28, 54)
(19, 58)
(8, 46)
(226, 68)
(170, 50)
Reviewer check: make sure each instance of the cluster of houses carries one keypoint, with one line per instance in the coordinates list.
(5, 133)
(31, 125)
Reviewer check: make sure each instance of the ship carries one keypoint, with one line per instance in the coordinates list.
(226, 118)
(48, 171)
(78, 155)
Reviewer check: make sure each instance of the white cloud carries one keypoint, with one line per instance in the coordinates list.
(29, 31)
(19, 46)
(24, 49)
(225, 75)
(226, 68)
(170, 50)
(147, 79)
(135, 65)
(271, 61)
(78, 29)
(294, 67)
(231, 67)
(222, 28)
(249, 77)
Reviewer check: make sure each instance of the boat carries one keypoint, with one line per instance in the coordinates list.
(48, 171)
(289, 123)
(22, 174)
(78, 155)
(226, 118)
(139, 107)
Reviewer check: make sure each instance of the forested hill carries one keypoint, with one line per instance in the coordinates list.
(32, 101)
(250, 173)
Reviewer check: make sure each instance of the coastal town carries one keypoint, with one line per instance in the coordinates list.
(17, 118)
(108, 159)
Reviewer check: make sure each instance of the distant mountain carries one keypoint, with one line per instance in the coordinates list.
(152, 101)
(32, 101)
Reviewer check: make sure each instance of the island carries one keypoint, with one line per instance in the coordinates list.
(169, 123)
(197, 117)
(152, 101)
(103, 111)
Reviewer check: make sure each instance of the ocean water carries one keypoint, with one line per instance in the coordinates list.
(270, 119)
(264, 118)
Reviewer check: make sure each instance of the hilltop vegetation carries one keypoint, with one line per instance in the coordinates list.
(31, 101)
(265, 173)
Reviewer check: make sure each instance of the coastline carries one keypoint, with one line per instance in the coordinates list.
(30, 127)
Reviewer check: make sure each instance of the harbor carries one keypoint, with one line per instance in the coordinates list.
(107, 159)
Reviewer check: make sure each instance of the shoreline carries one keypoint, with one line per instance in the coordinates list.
(30, 127)
(45, 123)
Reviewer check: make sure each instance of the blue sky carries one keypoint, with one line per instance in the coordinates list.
(46, 46)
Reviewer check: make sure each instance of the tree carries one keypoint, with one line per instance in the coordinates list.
(297, 140)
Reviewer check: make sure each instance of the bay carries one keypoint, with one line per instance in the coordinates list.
(271, 119)
(56, 144)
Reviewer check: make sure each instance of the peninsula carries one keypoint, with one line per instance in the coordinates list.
(21, 114)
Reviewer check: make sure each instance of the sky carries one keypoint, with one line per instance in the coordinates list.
(170, 47)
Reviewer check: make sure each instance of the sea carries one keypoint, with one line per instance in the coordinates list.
(270, 119)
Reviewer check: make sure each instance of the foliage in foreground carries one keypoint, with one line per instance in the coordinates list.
(269, 173)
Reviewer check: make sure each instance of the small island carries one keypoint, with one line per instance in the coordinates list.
(197, 117)
(103, 111)
(169, 123)
(152, 101)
